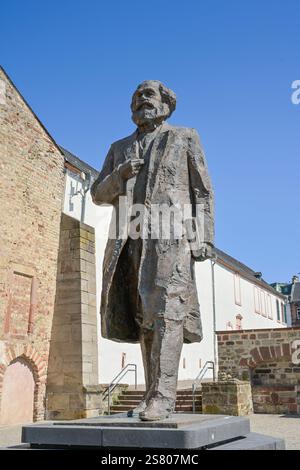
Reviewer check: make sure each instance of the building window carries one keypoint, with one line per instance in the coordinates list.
(123, 360)
(257, 300)
(263, 303)
(72, 193)
(278, 310)
(269, 306)
(237, 289)
(283, 314)
(298, 313)
(238, 322)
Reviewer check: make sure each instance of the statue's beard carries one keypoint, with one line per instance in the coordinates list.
(147, 116)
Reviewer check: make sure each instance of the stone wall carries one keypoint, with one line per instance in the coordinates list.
(32, 187)
(72, 390)
(270, 360)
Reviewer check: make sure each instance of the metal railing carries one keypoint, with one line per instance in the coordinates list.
(110, 388)
(207, 366)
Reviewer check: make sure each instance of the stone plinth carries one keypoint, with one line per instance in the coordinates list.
(180, 431)
(232, 397)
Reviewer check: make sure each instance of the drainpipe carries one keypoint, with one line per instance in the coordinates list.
(213, 262)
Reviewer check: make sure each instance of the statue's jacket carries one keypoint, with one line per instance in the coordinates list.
(177, 175)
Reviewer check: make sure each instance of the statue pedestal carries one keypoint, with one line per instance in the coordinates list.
(181, 431)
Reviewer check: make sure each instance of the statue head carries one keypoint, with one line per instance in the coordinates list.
(152, 103)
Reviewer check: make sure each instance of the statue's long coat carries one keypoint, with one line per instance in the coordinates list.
(177, 174)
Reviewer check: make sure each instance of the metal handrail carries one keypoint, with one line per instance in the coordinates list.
(110, 388)
(207, 366)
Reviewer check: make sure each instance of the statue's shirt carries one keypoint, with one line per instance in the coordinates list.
(144, 143)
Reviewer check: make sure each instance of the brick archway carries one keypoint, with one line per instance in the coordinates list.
(273, 388)
(262, 354)
(39, 370)
(266, 359)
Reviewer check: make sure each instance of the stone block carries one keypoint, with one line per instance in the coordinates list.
(69, 224)
(77, 401)
(57, 401)
(87, 332)
(231, 397)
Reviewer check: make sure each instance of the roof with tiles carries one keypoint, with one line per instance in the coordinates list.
(296, 292)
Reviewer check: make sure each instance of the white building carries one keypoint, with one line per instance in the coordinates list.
(231, 295)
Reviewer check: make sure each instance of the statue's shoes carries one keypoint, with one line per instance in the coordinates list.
(137, 410)
(157, 409)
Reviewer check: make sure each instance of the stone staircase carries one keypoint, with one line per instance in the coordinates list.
(129, 399)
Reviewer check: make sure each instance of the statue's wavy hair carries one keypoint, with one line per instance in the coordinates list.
(167, 95)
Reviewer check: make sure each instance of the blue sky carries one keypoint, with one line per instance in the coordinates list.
(231, 64)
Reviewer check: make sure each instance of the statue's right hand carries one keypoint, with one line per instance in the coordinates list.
(130, 168)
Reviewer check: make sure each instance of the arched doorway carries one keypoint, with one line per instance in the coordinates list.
(17, 399)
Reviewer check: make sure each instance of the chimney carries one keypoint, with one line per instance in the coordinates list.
(295, 279)
(258, 275)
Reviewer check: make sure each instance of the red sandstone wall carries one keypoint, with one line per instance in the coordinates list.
(32, 186)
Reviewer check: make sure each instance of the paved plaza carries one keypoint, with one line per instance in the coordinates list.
(282, 426)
